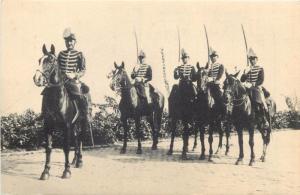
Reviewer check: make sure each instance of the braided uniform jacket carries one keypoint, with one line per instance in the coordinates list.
(255, 75)
(143, 72)
(71, 61)
(185, 72)
(216, 71)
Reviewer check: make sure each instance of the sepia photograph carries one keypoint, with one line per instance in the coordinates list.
(150, 97)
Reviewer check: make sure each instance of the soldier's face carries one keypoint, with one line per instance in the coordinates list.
(185, 60)
(213, 58)
(253, 61)
(142, 60)
(70, 43)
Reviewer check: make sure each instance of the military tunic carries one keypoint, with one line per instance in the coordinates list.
(71, 61)
(185, 72)
(144, 72)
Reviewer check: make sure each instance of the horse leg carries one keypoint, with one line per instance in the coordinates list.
(227, 131)
(125, 126)
(139, 134)
(76, 145)
(265, 134)
(240, 138)
(196, 129)
(154, 136)
(185, 137)
(210, 141)
(251, 144)
(202, 136)
(45, 175)
(67, 138)
(220, 130)
(172, 124)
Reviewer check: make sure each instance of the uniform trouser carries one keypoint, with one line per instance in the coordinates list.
(147, 93)
(217, 94)
(83, 106)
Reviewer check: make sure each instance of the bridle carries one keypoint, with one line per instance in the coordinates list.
(234, 101)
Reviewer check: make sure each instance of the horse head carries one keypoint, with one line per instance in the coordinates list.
(233, 90)
(47, 72)
(118, 77)
(202, 78)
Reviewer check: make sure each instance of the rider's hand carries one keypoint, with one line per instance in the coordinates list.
(210, 79)
(71, 75)
(247, 69)
(217, 82)
(247, 84)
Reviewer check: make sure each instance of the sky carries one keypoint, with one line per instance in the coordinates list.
(105, 33)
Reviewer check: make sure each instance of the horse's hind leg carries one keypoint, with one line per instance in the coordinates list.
(227, 131)
(185, 137)
(76, 145)
(172, 125)
(45, 175)
(125, 126)
(210, 141)
(196, 129)
(266, 140)
(251, 144)
(80, 137)
(240, 138)
(67, 138)
(152, 122)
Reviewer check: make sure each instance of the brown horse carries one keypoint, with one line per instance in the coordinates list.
(134, 106)
(59, 112)
(245, 114)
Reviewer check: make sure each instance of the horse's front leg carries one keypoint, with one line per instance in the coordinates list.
(45, 174)
(80, 137)
(210, 141)
(240, 138)
(172, 126)
(125, 126)
(251, 144)
(67, 140)
(220, 130)
(154, 132)
(266, 140)
(185, 137)
(202, 136)
(227, 131)
(139, 134)
(196, 129)
(76, 147)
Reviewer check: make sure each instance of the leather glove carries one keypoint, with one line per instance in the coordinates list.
(210, 79)
(247, 84)
(217, 82)
(71, 75)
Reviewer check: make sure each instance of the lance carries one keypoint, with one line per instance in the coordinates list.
(137, 47)
(245, 44)
(207, 44)
(179, 46)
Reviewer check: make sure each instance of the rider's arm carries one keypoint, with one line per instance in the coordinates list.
(133, 73)
(194, 74)
(148, 74)
(220, 73)
(176, 73)
(81, 66)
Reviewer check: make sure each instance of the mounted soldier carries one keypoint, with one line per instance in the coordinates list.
(142, 74)
(253, 79)
(186, 74)
(215, 75)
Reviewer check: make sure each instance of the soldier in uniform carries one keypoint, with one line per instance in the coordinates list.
(186, 73)
(215, 74)
(142, 74)
(72, 66)
(253, 79)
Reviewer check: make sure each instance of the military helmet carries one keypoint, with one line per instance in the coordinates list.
(142, 54)
(184, 54)
(68, 34)
(251, 54)
(213, 53)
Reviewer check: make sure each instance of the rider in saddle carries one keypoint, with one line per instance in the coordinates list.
(253, 79)
(142, 74)
(215, 74)
(186, 73)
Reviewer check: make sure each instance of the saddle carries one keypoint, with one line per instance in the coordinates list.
(76, 88)
(140, 89)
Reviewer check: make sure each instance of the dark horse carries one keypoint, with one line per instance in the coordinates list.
(181, 107)
(59, 112)
(244, 114)
(208, 115)
(134, 106)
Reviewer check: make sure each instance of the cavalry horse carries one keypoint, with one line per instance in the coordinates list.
(244, 115)
(59, 112)
(134, 106)
(208, 115)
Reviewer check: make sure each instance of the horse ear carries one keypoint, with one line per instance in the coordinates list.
(52, 49)
(115, 64)
(122, 65)
(226, 73)
(44, 49)
(236, 74)
(198, 66)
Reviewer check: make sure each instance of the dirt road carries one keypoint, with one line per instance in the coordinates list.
(105, 171)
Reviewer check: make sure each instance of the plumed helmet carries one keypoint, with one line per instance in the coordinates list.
(213, 52)
(251, 54)
(142, 54)
(184, 54)
(68, 34)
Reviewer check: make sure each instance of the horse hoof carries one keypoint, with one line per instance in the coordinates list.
(170, 152)
(154, 147)
(139, 151)
(251, 162)
(66, 174)
(45, 176)
(123, 151)
(202, 157)
(263, 159)
(238, 162)
(226, 153)
(79, 164)
(210, 159)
